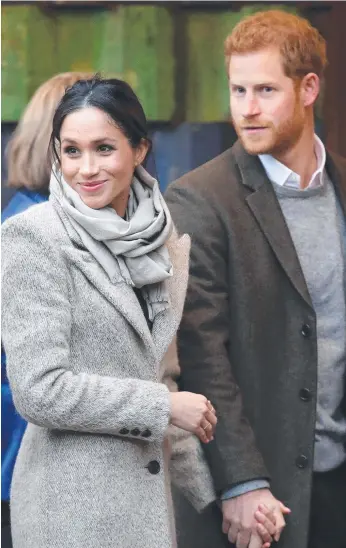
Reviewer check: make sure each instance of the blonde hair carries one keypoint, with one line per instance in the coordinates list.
(302, 48)
(28, 161)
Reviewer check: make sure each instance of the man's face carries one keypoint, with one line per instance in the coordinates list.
(266, 108)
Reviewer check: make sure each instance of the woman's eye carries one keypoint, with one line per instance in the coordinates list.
(267, 89)
(71, 151)
(105, 148)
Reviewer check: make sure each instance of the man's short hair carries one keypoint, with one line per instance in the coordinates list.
(302, 48)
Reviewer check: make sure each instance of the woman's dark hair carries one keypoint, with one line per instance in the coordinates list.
(114, 97)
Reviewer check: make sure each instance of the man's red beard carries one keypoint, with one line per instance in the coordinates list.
(270, 139)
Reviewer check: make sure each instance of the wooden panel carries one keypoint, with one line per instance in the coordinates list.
(78, 36)
(138, 46)
(137, 42)
(27, 38)
(207, 89)
(133, 42)
(14, 62)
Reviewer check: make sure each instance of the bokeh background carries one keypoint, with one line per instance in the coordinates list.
(172, 55)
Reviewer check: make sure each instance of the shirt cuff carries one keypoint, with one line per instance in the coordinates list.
(245, 487)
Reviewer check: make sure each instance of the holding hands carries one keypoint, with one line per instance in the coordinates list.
(251, 520)
(254, 519)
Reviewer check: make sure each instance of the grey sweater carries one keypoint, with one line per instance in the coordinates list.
(318, 232)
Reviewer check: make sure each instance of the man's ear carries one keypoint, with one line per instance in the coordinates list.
(309, 89)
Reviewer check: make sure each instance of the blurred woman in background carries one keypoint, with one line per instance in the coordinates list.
(28, 163)
(29, 170)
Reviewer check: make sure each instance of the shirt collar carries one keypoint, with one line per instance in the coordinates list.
(281, 175)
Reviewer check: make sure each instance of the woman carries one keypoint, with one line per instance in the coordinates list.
(29, 172)
(93, 289)
(28, 163)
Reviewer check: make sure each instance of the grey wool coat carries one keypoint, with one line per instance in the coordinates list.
(93, 382)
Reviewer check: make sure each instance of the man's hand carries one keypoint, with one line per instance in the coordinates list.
(253, 519)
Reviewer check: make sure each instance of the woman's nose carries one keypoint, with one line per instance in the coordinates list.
(88, 166)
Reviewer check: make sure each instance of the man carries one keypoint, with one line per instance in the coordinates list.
(264, 328)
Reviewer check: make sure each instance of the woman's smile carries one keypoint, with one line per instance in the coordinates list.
(91, 186)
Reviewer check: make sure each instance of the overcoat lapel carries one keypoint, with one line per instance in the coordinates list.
(266, 209)
(166, 323)
(124, 299)
(120, 295)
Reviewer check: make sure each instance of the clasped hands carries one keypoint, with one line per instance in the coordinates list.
(254, 519)
(251, 520)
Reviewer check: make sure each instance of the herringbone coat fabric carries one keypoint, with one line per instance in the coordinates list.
(88, 375)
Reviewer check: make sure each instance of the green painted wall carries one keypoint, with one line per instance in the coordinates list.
(141, 52)
(130, 42)
(133, 42)
(27, 53)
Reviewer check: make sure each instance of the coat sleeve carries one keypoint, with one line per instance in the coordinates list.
(204, 339)
(188, 466)
(36, 330)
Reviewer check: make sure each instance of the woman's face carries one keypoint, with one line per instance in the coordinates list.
(97, 160)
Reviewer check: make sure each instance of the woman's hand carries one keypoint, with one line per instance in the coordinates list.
(194, 413)
(267, 525)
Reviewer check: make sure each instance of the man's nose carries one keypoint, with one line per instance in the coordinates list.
(251, 107)
(88, 166)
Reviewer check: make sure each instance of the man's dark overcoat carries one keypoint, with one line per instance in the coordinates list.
(248, 336)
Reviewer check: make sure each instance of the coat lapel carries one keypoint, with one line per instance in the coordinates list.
(166, 324)
(120, 295)
(266, 209)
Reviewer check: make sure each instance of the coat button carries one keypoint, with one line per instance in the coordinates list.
(306, 330)
(146, 433)
(135, 432)
(302, 461)
(124, 431)
(305, 394)
(154, 467)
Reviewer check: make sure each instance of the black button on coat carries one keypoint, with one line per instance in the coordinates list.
(154, 467)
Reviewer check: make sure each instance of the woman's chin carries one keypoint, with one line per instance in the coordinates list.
(94, 202)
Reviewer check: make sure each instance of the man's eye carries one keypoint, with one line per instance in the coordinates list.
(238, 90)
(267, 89)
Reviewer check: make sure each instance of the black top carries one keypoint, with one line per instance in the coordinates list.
(144, 307)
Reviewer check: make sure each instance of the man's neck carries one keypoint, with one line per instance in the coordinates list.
(301, 158)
